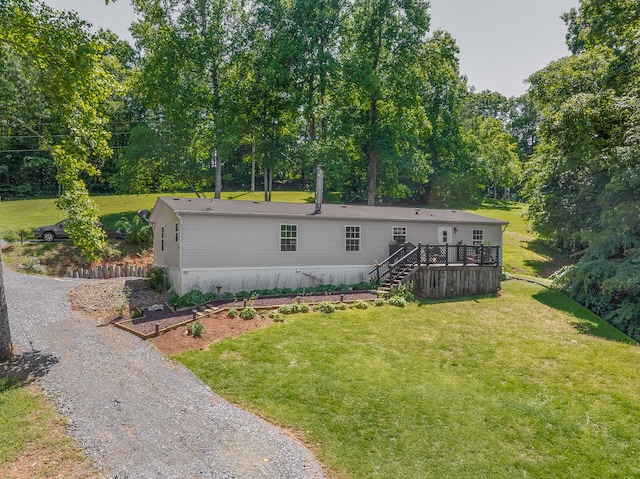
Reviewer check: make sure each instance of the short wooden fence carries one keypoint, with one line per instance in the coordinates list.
(106, 271)
(447, 282)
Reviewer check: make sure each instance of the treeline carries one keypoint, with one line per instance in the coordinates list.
(246, 95)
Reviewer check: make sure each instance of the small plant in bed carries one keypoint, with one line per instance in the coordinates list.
(248, 313)
(232, 313)
(196, 329)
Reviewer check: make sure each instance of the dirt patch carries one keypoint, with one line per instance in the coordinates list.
(216, 327)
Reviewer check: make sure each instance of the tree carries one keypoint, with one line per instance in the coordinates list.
(6, 347)
(72, 79)
(184, 84)
(584, 178)
(384, 40)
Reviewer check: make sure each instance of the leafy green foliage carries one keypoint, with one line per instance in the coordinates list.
(248, 313)
(584, 179)
(157, 279)
(195, 329)
(137, 230)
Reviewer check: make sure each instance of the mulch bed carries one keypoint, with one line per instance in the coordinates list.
(145, 326)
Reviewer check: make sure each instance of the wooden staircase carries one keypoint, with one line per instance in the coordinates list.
(399, 276)
(395, 270)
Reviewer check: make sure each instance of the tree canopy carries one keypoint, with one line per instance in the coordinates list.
(584, 180)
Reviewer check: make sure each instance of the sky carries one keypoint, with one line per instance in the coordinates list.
(501, 42)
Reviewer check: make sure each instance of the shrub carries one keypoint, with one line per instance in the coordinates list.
(157, 279)
(361, 304)
(398, 301)
(11, 236)
(196, 329)
(380, 302)
(32, 265)
(193, 298)
(276, 316)
(248, 313)
(137, 230)
(232, 313)
(326, 307)
(341, 306)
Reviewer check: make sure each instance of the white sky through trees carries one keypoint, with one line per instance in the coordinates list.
(501, 41)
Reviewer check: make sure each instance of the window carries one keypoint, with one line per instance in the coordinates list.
(162, 238)
(288, 237)
(177, 232)
(399, 234)
(478, 237)
(352, 238)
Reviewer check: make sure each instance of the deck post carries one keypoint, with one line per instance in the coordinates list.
(481, 255)
(419, 253)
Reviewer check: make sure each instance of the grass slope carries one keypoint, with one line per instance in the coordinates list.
(27, 214)
(500, 387)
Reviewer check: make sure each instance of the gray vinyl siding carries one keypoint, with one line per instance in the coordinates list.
(169, 256)
(225, 241)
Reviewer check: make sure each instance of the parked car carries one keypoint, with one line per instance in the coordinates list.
(53, 232)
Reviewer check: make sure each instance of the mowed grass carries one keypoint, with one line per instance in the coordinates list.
(27, 422)
(514, 386)
(27, 214)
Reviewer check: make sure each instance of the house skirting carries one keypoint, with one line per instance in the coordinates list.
(446, 282)
(234, 280)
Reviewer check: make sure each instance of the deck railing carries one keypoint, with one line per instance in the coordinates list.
(435, 256)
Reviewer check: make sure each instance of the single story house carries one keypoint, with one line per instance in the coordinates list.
(236, 245)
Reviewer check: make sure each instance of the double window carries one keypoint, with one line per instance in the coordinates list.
(352, 238)
(478, 237)
(288, 237)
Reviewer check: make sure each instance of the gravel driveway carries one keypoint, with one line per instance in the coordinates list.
(135, 413)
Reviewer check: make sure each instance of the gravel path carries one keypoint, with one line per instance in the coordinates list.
(135, 413)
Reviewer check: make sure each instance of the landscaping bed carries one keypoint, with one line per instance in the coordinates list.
(166, 319)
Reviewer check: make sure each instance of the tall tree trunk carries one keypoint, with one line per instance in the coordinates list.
(6, 348)
(218, 175)
(253, 168)
(373, 155)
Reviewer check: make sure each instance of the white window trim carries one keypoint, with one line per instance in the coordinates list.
(480, 240)
(280, 238)
(394, 234)
(162, 238)
(359, 238)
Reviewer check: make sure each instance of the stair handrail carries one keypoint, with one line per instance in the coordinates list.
(390, 267)
(384, 266)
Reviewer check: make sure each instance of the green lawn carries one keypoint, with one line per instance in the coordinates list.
(515, 386)
(27, 214)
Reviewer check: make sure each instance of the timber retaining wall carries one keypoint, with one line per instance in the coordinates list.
(448, 282)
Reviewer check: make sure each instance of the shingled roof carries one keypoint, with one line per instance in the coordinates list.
(184, 206)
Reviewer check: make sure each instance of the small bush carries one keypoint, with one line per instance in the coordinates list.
(196, 329)
(341, 306)
(248, 313)
(361, 304)
(292, 308)
(32, 265)
(398, 301)
(137, 231)
(380, 302)
(157, 279)
(276, 316)
(326, 307)
(232, 313)
(11, 236)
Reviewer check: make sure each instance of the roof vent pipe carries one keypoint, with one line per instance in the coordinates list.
(319, 188)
